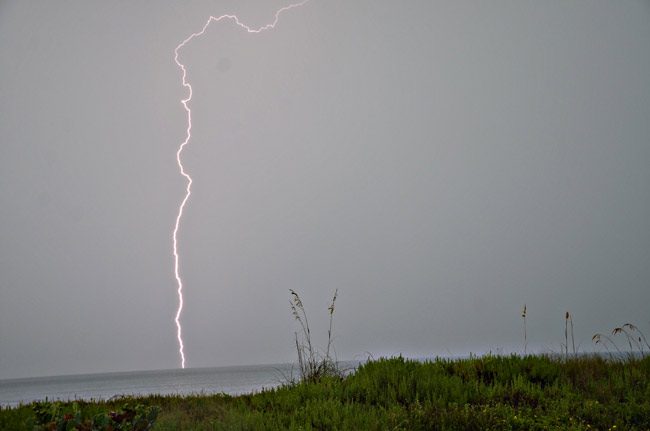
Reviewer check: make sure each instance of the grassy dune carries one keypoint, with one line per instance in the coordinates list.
(490, 392)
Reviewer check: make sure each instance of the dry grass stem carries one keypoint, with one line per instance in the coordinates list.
(313, 365)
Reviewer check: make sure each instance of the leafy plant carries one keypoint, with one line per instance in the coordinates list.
(56, 416)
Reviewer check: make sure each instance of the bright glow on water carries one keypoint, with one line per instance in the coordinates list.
(229, 380)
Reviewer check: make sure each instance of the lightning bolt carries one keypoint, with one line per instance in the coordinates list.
(188, 136)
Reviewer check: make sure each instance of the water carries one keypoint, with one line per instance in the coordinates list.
(228, 380)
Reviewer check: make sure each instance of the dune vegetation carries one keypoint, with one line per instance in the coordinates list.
(490, 392)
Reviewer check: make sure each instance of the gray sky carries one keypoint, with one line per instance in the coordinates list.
(440, 163)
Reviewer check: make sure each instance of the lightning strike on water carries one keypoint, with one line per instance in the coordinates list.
(188, 189)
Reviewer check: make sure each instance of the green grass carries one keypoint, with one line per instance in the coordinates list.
(526, 393)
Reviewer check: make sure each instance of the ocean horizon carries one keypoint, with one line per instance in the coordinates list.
(230, 380)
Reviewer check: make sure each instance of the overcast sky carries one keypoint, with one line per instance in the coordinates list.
(441, 163)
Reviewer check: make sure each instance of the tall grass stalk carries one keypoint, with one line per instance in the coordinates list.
(641, 337)
(636, 340)
(566, 335)
(606, 341)
(313, 365)
(573, 342)
(523, 316)
(568, 330)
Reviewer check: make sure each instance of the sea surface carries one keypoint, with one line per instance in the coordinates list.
(228, 380)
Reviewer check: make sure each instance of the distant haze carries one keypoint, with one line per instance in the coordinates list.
(441, 163)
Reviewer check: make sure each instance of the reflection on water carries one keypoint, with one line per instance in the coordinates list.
(228, 380)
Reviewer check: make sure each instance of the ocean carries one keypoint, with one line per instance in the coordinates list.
(227, 380)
